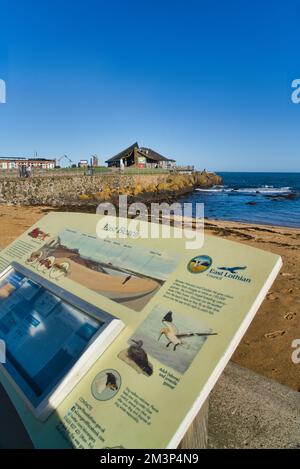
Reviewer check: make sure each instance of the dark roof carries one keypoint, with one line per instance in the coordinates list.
(123, 153)
(143, 151)
(21, 158)
(40, 159)
(153, 155)
(12, 158)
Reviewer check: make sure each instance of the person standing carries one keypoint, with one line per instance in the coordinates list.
(28, 171)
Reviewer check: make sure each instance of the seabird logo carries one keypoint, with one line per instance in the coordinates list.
(232, 270)
(2, 92)
(2, 352)
(295, 97)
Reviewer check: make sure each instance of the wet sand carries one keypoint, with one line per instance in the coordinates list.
(266, 347)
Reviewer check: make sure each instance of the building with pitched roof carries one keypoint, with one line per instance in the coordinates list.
(140, 157)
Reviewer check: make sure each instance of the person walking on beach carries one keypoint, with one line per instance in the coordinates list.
(126, 279)
(28, 171)
(22, 171)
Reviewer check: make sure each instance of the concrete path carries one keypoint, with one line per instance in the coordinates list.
(247, 410)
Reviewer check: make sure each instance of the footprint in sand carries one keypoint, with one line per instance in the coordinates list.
(290, 315)
(273, 335)
(272, 297)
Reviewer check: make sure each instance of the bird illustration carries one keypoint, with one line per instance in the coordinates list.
(107, 381)
(232, 270)
(171, 333)
(137, 354)
(198, 263)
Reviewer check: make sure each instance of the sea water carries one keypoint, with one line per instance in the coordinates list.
(263, 198)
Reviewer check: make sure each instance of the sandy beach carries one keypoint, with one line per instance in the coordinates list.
(266, 347)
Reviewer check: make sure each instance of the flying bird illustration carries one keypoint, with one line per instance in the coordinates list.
(232, 270)
(198, 263)
(107, 381)
(171, 333)
(137, 354)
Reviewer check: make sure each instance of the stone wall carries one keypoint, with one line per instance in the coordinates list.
(64, 190)
(60, 190)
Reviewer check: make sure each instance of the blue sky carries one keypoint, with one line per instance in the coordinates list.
(206, 82)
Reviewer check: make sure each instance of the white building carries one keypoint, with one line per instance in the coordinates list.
(15, 163)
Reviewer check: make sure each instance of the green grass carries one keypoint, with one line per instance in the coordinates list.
(104, 169)
(99, 169)
(145, 171)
